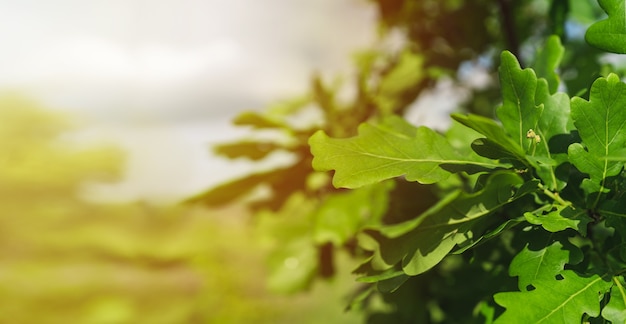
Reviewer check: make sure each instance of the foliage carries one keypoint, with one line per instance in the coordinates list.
(515, 214)
(524, 180)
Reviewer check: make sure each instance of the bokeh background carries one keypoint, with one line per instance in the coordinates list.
(163, 79)
(108, 110)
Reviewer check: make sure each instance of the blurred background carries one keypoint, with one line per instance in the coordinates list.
(108, 110)
(163, 79)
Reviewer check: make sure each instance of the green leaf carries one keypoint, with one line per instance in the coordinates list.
(612, 208)
(386, 281)
(249, 149)
(293, 266)
(547, 61)
(283, 182)
(600, 122)
(615, 310)
(518, 112)
(461, 137)
(258, 121)
(609, 34)
(584, 11)
(553, 300)
(544, 264)
(404, 76)
(555, 120)
(494, 133)
(423, 242)
(293, 259)
(489, 234)
(384, 151)
(560, 219)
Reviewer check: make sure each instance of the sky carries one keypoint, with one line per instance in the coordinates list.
(163, 78)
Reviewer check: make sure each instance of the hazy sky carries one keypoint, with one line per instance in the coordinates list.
(176, 60)
(162, 78)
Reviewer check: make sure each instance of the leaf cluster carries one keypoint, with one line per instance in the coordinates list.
(551, 166)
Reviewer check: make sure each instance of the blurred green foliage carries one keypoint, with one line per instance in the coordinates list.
(66, 260)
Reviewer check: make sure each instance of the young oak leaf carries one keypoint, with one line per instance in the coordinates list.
(530, 266)
(518, 112)
(560, 219)
(609, 34)
(388, 150)
(600, 122)
(554, 301)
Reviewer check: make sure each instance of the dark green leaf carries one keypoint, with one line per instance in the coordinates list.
(492, 150)
(613, 208)
(423, 242)
(489, 234)
(283, 182)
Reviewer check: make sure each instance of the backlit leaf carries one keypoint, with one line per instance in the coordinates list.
(384, 151)
(601, 123)
(518, 112)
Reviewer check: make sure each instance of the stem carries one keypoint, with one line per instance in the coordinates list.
(554, 195)
(620, 287)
